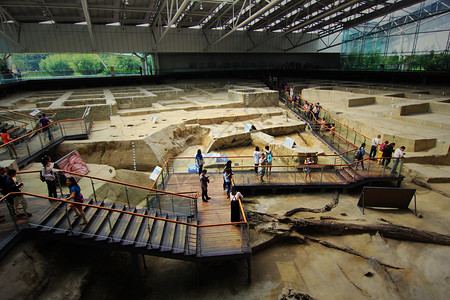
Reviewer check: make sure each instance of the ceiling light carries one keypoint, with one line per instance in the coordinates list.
(81, 23)
(47, 22)
(113, 24)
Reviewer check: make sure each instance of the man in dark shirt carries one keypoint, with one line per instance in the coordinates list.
(44, 121)
(204, 180)
(387, 153)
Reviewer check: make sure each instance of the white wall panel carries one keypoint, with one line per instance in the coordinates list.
(75, 38)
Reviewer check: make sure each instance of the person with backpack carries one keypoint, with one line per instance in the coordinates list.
(204, 180)
(269, 158)
(359, 156)
(48, 176)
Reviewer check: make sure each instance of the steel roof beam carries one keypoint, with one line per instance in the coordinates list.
(245, 22)
(173, 20)
(89, 24)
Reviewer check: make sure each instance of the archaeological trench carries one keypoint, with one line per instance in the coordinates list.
(324, 249)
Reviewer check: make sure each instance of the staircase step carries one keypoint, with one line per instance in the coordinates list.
(191, 244)
(122, 224)
(179, 239)
(145, 229)
(169, 233)
(40, 217)
(96, 221)
(53, 219)
(157, 233)
(132, 232)
(90, 216)
(63, 224)
(108, 225)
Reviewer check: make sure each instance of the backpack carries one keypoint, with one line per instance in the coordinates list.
(358, 153)
(269, 157)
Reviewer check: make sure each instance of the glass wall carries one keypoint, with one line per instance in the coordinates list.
(412, 39)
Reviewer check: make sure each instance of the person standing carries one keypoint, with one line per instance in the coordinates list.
(256, 157)
(375, 143)
(44, 121)
(308, 162)
(398, 154)
(234, 203)
(75, 194)
(227, 180)
(48, 174)
(262, 167)
(10, 146)
(359, 156)
(269, 159)
(12, 185)
(199, 161)
(226, 169)
(387, 153)
(380, 152)
(204, 180)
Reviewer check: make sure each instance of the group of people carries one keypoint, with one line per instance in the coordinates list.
(18, 204)
(263, 162)
(228, 186)
(385, 153)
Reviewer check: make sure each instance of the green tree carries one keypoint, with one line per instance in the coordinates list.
(87, 64)
(57, 65)
(28, 62)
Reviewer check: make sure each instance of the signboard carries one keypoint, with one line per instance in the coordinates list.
(289, 143)
(249, 127)
(156, 171)
(35, 112)
(73, 162)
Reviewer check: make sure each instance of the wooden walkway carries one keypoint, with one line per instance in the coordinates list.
(215, 240)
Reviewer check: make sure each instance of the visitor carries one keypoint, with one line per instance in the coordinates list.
(226, 169)
(199, 161)
(9, 145)
(262, 168)
(308, 162)
(269, 159)
(44, 121)
(13, 186)
(380, 152)
(75, 194)
(387, 153)
(2, 186)
(322, 123)
(227, 181)
(234, 203)
(398, 154)
(48, 175)
(375, 143)
(359, 156)
(204, 180)
(256, 157)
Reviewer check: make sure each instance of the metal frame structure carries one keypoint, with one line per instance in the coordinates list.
(280, 17)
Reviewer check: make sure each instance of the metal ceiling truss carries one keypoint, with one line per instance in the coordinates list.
(281, 17)
(10, 28)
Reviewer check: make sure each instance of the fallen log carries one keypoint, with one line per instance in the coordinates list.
(387, 230)
(304, 226)
(334, 202)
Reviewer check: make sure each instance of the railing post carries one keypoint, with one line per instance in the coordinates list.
(59, 184)
(28, 146)
(321, 174)
(93, 189)
(40, 139)
(128, 198)
(384, 168)
(12, 214)
(62, 129)
(400, 167)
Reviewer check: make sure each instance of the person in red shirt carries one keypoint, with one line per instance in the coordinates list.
(6, 139)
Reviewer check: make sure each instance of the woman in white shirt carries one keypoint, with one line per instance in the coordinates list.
(256, 157)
